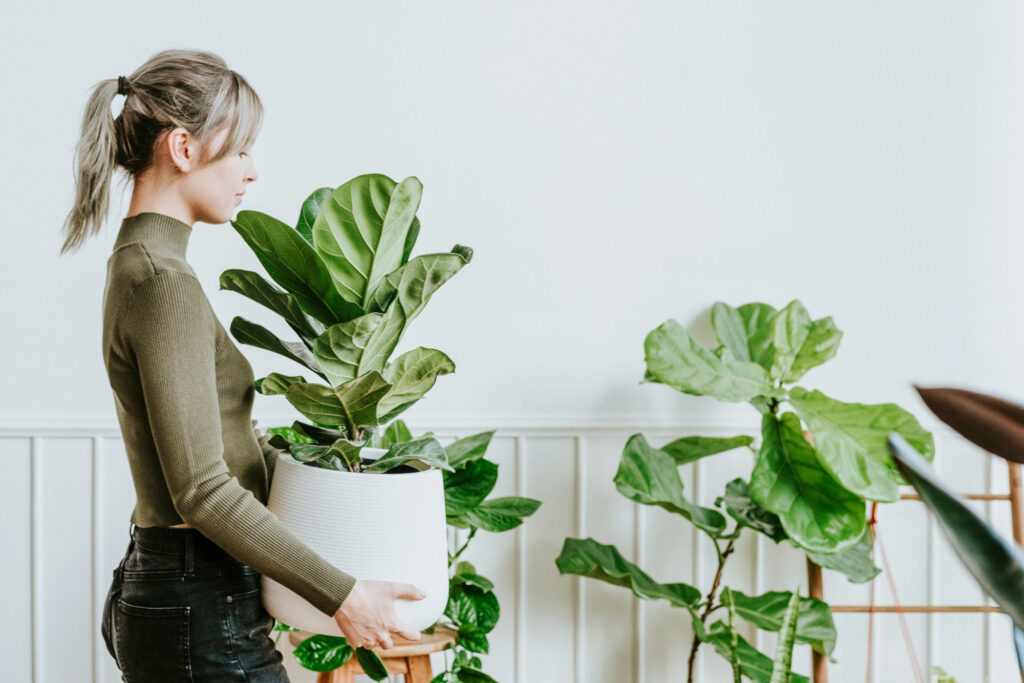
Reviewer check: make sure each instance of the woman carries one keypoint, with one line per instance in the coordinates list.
(185, 601)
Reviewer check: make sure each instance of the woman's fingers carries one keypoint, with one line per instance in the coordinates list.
(408, 591)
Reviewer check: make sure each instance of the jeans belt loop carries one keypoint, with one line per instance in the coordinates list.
(190, 561)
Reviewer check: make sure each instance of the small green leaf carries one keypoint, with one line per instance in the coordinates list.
(472, 638)
(501, 514)
(821, 345)
(855, 562)
(744, 510)
(589, 558)
(691, 448)
(468, 485)
(396, 433)
(651, 477)
(250, 333)
(427, 450)
(372, 664)
(468, 448)
(323, 652)
(276, 384)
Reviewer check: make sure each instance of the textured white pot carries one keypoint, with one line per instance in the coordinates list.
(388, 527)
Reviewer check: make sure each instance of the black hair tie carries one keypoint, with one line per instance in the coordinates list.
(122, 85)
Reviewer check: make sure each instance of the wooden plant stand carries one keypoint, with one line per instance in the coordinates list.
(408, 657)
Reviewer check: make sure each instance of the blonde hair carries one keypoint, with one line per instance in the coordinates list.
(191, 89)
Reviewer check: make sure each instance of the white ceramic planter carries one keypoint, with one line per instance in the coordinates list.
(388, 527)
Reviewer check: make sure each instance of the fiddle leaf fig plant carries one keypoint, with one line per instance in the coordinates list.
(819, 461)
(348, 289)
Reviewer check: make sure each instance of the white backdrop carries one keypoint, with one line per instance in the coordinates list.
(612, 166)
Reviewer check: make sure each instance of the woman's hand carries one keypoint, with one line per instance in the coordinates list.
(367, 617)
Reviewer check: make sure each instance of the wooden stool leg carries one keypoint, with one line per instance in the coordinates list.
(419, 669)
(815, 589)
(344, 674)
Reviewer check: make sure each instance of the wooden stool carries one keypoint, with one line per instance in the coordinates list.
(409, 657)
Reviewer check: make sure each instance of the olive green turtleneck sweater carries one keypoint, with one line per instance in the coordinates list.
(184, 393)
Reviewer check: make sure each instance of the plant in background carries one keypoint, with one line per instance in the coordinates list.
(349, 292)
(810, 492)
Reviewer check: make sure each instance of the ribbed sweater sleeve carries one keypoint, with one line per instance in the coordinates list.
(170, 327)
(270, 453)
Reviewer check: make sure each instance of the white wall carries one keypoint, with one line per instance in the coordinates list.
(612, 165)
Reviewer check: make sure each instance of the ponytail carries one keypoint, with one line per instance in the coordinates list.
(95, 162)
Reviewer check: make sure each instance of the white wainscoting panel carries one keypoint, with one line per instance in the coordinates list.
(68, 496)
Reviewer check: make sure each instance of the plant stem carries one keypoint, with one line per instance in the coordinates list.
(469, 538)
(722, 556)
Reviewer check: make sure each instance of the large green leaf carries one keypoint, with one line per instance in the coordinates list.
(675, 358)
(353, 404)
(468, 604)
(996, 563)
(427, 450)
(651, 477)
(790, 328)
(254, 286)
(814, 626)
(414, 283)
(500, 514)
(350, 349)
(756, 665)
(361, 230)
(691, 448)
(850, 439)
(855, 562)
(819, 346)
(816, 512)
(250, 333)
(589, 558)
(309, 211)
(469, 484)
(292, 263)
(744, 510)
(412, 375)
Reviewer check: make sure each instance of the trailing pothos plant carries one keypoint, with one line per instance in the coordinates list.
(349, 290)
(808, 487)
(472, 610)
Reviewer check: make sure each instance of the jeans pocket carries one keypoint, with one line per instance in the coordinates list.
(151, 643)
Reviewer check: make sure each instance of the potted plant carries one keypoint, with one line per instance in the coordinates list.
(348, 290)
(810, 492)
(473, 609)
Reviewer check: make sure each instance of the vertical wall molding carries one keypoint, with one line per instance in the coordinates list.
(578, 629)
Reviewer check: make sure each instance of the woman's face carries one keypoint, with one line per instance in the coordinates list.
(214, 190)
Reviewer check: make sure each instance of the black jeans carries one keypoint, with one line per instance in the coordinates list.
(181, 609)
